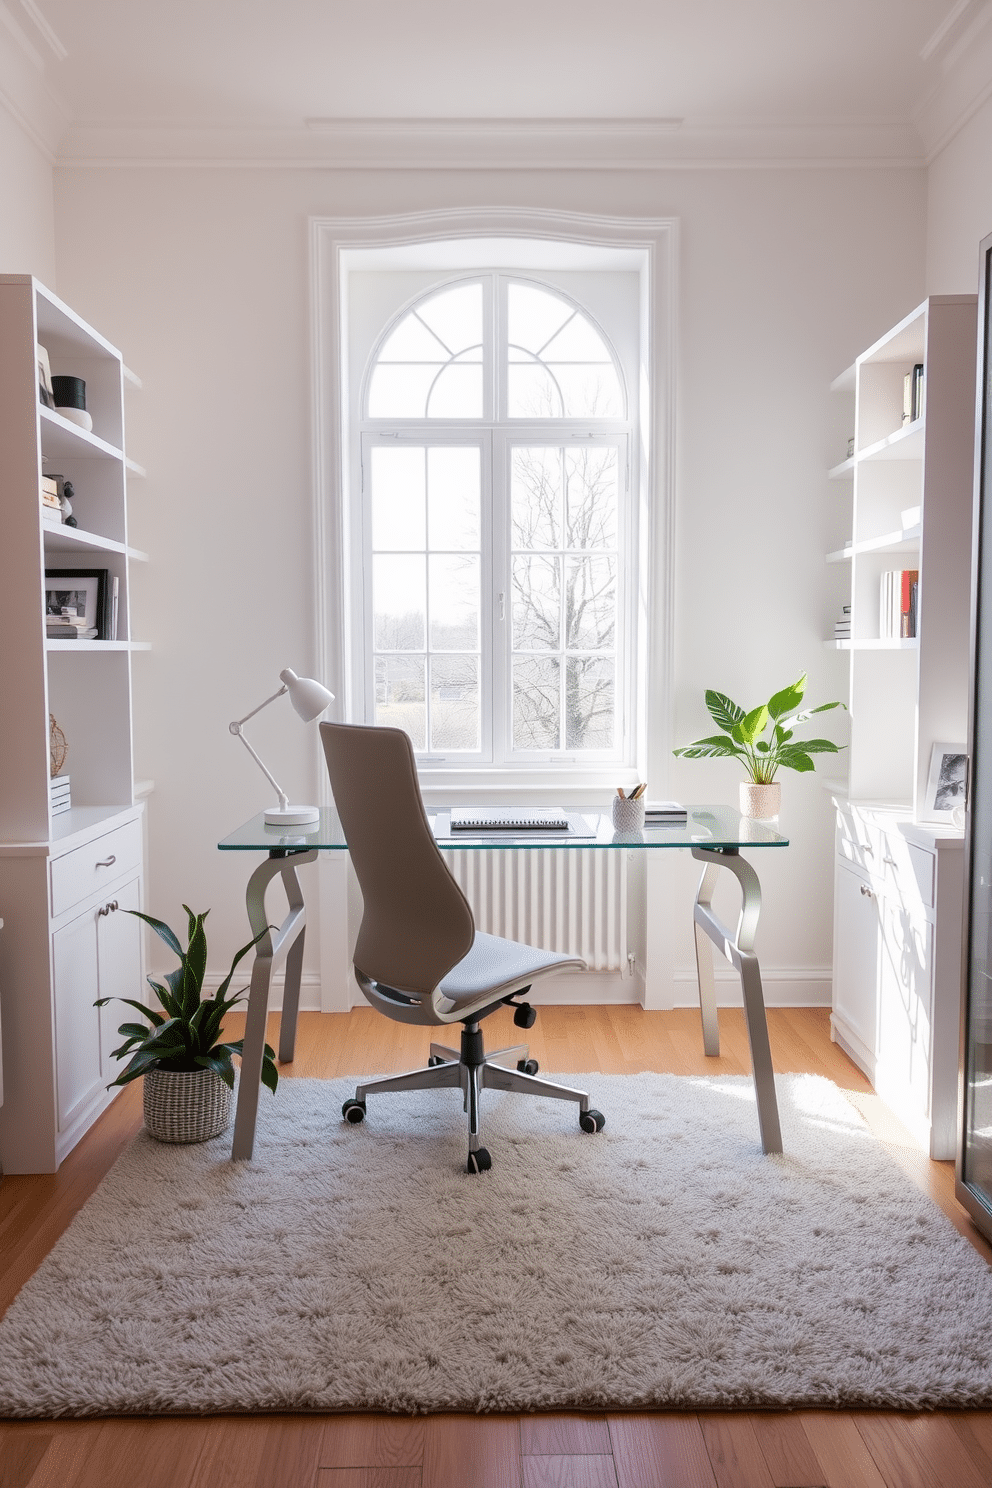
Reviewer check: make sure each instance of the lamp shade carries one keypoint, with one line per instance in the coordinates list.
(309, 698)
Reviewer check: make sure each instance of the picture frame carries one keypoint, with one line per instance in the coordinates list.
(86, 587)
(46, 394)
(947, 784)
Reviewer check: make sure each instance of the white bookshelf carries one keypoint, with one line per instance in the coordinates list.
(65, 879)
(897, 904)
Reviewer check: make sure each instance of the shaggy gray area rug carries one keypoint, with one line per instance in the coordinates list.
(663, 1262)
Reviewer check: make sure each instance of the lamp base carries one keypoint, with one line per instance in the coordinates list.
(291, 816)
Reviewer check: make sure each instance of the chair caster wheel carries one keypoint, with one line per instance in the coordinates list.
(592, 1121)
(353, 1111)
(528, 1066)
(479, 1161)
(525, 1016)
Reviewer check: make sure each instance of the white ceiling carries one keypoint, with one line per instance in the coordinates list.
(709, 65)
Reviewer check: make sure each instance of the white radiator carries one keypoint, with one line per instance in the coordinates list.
(573, 901)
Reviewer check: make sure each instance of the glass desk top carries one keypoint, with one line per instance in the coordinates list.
(705, 826)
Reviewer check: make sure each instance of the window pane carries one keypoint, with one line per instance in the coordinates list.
(591, 494)
(590, 604)
(457, 393)
(399, 602)
(536, 604)
(531, 392)
(453, 497)
(413, 342)
(400, 392)
(455, 703)
(536, 702)
(534, 315)
(535, 498)
(588, 392)
(400, 696)
(577, 341)
(590, 702)
(399, 501)
(455, 317)
(454, 602)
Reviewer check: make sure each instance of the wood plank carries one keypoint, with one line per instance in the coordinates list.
(65, 1460)
(472, 1452)
(290, 1454)
(368, 1477)
(162, 1453)
(21, 1453)
(232, 1451)
(785, 1447)
(652, 1450)
(372, 1441)
(564, 1436)
(843, 1458)
(569, 1472)
(734, 1453)
(913, 1451)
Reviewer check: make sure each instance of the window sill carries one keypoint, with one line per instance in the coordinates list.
(497, 786)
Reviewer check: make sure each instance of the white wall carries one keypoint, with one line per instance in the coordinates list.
(27, 209)
(200, 276)
(959, 207)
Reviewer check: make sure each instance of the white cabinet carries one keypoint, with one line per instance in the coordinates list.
(897, 963)
(60, 869)
(906, 494)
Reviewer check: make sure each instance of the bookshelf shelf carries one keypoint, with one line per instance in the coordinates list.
(897, 883)
(68, 872)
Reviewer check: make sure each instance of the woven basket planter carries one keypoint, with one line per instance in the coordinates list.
(186, 1105)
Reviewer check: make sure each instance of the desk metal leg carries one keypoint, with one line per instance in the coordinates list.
(286, 941)
(739, 951)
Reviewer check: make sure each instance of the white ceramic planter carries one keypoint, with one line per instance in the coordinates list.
(186, 1105)
(760, 802)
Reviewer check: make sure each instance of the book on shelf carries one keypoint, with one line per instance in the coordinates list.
(59, 808)
(57, 631)
(59, 794)
(899, 590)
(912, 395)
(59, 785)
(115, 594)
(52, 515)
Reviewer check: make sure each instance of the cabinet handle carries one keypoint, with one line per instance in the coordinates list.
(108, 862)
(109, 908)
(865, 847)
(867, 891)
(891, 862)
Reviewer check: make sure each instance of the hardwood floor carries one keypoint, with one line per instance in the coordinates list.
(798, 1449)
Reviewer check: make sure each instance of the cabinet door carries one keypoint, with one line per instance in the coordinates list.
(78, 1066)
(119, 969)
(857, 938)
(905, 1013)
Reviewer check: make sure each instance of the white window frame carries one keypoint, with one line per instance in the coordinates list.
(529, 240)
(495, 433)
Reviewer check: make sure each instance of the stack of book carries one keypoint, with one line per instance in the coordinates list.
(69, 627)
(912, 395)
(59, 794)
(842, 627)
(664, 813)
(51, 499)
(897, 606)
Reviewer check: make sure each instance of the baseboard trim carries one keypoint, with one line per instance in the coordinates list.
(783, 987)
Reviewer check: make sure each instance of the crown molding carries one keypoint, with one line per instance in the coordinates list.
(499, 144)
(24, 89)
(965, 82)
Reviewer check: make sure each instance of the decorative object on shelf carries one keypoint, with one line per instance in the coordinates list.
(75, 603)
(850, 448)
(45, 395)
(947, 784)
(70, 400)
(67, 493)
(59, 795)
(842, 626)
(309, 699)
(762, 758)
(58, 749)
(189, 1099)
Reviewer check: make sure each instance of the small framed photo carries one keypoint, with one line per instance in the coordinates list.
(46, 394)
(947, 784)
(78, 597)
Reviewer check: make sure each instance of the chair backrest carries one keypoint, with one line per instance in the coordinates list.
(417, 923)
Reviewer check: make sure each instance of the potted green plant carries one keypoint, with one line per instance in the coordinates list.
(183, 1056)
(762, 739)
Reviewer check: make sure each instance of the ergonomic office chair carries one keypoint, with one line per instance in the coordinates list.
(419, 957)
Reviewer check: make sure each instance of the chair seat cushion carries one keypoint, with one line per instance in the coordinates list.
(497, 967)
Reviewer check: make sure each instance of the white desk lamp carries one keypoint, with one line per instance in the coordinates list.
(309, 699)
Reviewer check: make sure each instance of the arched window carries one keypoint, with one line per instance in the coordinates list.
(496, 530)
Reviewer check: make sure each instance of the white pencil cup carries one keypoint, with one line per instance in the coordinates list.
(628, 816)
